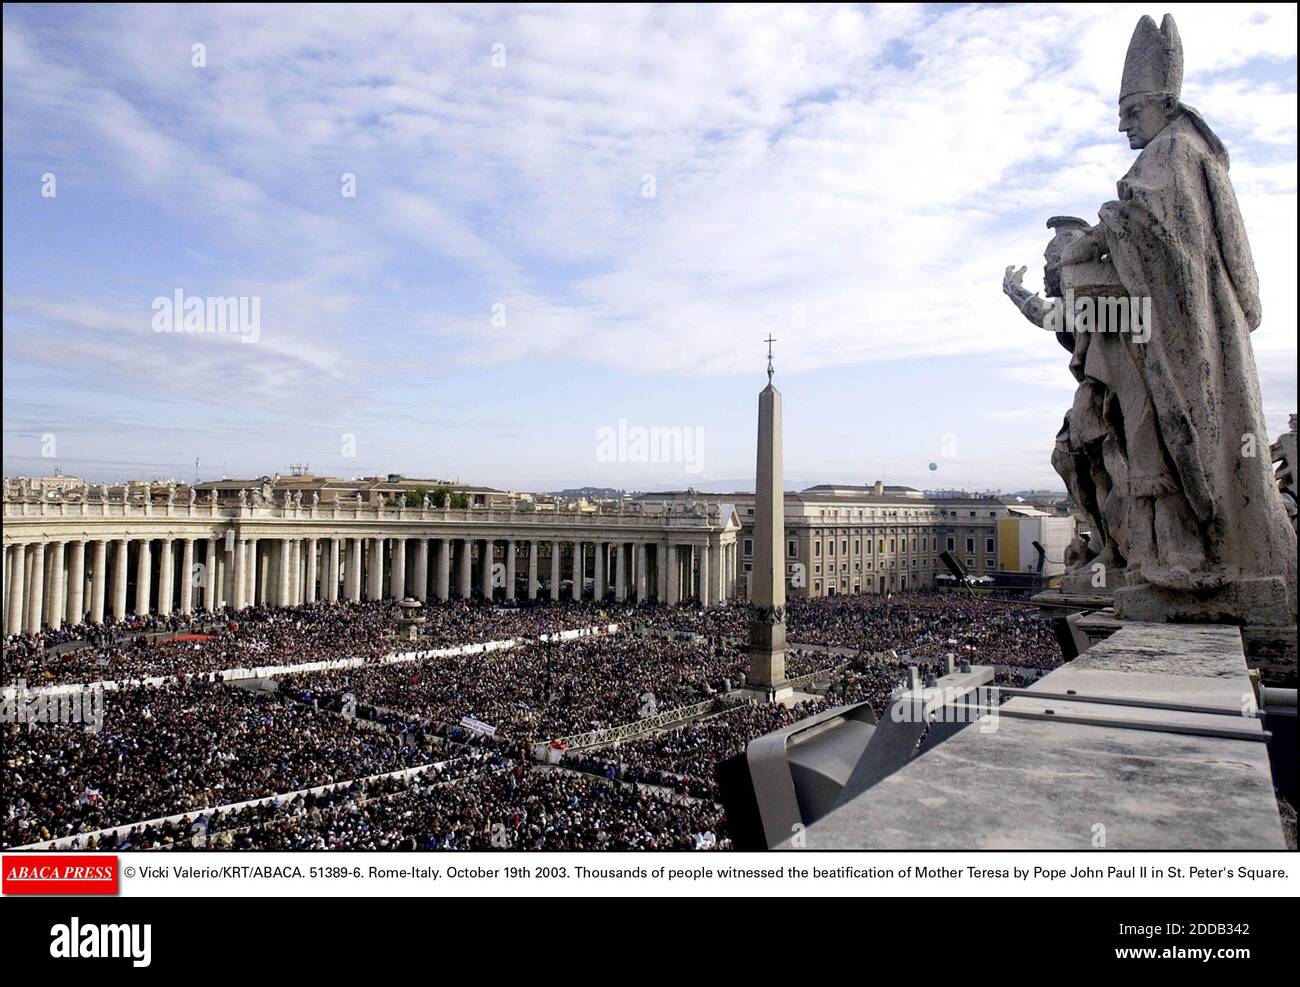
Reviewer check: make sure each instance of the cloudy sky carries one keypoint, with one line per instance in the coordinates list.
(568, 218)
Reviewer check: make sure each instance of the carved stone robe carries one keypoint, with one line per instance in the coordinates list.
(1176, 236)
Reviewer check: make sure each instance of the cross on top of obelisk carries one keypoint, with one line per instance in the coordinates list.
(769, 342)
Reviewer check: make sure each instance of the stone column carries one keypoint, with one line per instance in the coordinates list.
(598, 583)
(166, 576)
(284, 572)
(210, 576)
(485, 568)
(312, 570)
(17, 580)
(239, 596)
(444, 569)
(35, 585)
(532, 569)
(119, 578)
(54, 599)
(282, 576)
(397, 572)
(422, 568)
(511, 549)
(620, 576)
(555, 570)
(220, 563)
(143, 577)
(661, 572)
(262, 577)
(674, 577)
(300, 569)
(642, 565)
(464, 573)
(706, 583)
(579, 567)
(376, 591)
(354, 571)
(302, 559)
(98, 580)
(74, 601)
(187, 576)
(332, 571)
(252, 567)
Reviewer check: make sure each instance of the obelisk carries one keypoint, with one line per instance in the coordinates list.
(767, 593)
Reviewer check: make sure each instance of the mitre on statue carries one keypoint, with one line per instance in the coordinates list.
(1154, 63)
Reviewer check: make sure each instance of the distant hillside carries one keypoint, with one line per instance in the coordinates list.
(591, 493)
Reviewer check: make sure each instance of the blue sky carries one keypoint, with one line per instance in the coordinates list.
(852, 180)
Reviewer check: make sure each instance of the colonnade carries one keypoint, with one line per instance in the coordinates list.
(54, 581)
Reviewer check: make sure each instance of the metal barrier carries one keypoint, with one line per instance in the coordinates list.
(612, 735)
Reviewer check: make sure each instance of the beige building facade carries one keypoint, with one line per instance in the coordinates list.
(870, 539)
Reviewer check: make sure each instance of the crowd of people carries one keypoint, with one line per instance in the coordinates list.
(262, 636)
(913, 625)
(167, 750)
(917, 625)
(540, 691)
(229, 827)
(513, 807)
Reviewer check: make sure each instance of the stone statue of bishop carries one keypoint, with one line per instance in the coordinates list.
(1206, 531)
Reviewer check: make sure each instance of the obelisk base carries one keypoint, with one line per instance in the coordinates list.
(767, 693)
(766, 681)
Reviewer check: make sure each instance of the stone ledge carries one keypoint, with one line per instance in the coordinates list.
(1039, 784)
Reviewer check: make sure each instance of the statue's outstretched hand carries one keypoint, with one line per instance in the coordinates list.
(1011, 280)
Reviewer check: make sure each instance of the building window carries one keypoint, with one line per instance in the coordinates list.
(792, 549)
(988, 545)
(749, 546)
(970, 546)
(817, 550)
